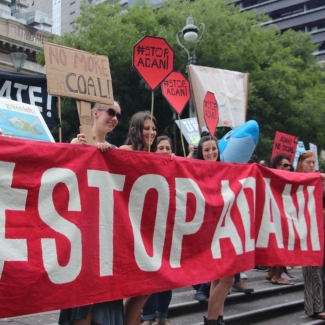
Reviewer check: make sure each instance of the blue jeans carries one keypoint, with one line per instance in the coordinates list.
(157, 305)
(237, 278)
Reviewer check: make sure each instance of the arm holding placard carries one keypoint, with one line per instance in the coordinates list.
(191, 148)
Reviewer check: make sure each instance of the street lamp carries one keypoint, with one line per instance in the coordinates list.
(190, 33)
(18, 59)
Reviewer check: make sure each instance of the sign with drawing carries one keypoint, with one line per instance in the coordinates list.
(21, 120)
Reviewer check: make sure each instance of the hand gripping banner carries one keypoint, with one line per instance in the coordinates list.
(78, 226)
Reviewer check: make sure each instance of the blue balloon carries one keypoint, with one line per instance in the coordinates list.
(239, 144)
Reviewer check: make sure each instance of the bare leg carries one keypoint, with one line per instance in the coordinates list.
(218, 294)
(85, 321)
(278, 271)
(132, 309)
(271, 272)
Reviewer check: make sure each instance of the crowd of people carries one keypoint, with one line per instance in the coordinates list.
(153, 309)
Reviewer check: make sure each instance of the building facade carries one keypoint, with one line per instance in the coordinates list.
(22, 31)
(300, 15)
(62, 12)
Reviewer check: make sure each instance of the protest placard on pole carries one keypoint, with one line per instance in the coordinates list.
(80, 75)
(176, 89)
(190, 129)
(211, 112)
(284, 144)
(153, 59)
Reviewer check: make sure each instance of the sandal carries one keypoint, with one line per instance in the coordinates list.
(319, 316)
(147, 322)
(281, 281)
(162, 321)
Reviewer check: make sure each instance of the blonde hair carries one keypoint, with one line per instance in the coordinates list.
(302, 157)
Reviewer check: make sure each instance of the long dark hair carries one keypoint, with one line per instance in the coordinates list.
(206, 136)
(135, 131)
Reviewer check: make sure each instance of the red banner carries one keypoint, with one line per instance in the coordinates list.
(78, 226)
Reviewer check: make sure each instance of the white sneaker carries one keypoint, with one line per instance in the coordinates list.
(243, 276)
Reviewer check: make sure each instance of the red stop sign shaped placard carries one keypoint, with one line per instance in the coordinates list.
(176, 89)
(153, 58)
(211, 112)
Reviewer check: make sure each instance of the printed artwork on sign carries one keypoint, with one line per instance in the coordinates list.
(153, 59)
(176, 89)
(284, 144)
(211, 112)
(23, 121)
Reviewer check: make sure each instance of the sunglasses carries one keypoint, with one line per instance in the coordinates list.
(285, 165)
(111, 112)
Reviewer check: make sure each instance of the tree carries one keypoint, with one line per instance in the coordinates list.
(287, 90)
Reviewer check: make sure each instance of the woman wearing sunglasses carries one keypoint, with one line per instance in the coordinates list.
(104, 120)
(314, 276)
(278, 274)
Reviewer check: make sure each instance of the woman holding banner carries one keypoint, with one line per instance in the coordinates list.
(278, 273)
(156, 307)
(142, 133)
(314, 276)
(142, 136)
(104, 120)
(208, 150)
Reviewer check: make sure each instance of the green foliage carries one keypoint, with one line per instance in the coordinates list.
(287, 90)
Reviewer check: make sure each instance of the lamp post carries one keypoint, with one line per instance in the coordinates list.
(18, 59)
(190, 33)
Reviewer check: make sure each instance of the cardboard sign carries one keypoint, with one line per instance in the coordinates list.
(190, 130)
(78, 74)
(153, 59)
(21, 120)
(84, 112)
(284, 144)
(211, 112)
(74, 220)
(176, 89)
(230, 89)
